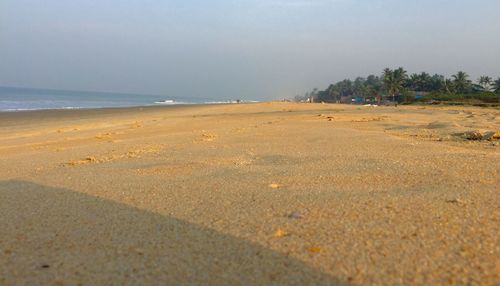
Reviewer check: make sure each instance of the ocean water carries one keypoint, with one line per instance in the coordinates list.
(19, 99)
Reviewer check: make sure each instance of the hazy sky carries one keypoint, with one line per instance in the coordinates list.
(253, 49)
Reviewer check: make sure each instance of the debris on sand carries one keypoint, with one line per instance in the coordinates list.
(490, 136)
(274, 186)
(281, 233)
(471, 135)
(479, 136)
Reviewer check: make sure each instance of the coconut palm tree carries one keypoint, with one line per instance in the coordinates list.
(359, 87)
(496, 86)
(394, 81)
(484, 82)
(449, 86)
(414, 82)
(461, 82)
(420, 82)
(437, 83)
(374, 87)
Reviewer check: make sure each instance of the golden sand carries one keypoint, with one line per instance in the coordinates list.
(257, 194)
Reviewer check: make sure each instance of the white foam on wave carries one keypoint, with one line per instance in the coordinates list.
(39, 108)
(172, 102)
(230, 102)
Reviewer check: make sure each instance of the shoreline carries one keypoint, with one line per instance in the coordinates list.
(131, 109)
(29, 116)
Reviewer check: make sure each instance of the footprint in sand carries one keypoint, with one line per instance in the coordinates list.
(208, 137)
(136, 124)
(369, 119)
(87, 160)
(101, 136)
(134, 153)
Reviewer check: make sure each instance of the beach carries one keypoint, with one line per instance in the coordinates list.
(250, 194)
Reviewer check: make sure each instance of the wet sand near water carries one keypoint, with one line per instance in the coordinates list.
(250, 194)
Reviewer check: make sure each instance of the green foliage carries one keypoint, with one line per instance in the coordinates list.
(470, 97)
(424, 82)
(408, 96)
(394, 81)
(397, 84)
(485, 82)
(496, 86)
(461, 82)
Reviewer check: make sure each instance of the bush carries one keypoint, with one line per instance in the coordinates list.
(486, 97)
(408, 97)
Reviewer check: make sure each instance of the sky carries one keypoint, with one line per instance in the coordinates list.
(239, 49)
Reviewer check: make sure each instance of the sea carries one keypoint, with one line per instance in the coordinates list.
(21, 99)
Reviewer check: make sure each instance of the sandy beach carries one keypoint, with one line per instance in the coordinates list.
(250, 194)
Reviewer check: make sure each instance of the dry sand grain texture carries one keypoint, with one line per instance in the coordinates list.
(258, 194)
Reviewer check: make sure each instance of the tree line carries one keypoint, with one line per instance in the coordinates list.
(397, 85)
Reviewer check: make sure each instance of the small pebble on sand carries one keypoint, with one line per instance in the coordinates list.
(295, 215)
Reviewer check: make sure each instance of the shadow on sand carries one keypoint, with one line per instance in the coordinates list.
(50, 235)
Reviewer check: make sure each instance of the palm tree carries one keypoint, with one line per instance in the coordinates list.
(414, 82)
(484, 82)
(420, 82)
(345, 87)
(438, 83)
(461, 82)
(374, 86)
(394, 81)
(496, 86)
(449, 86)
(359, 87)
